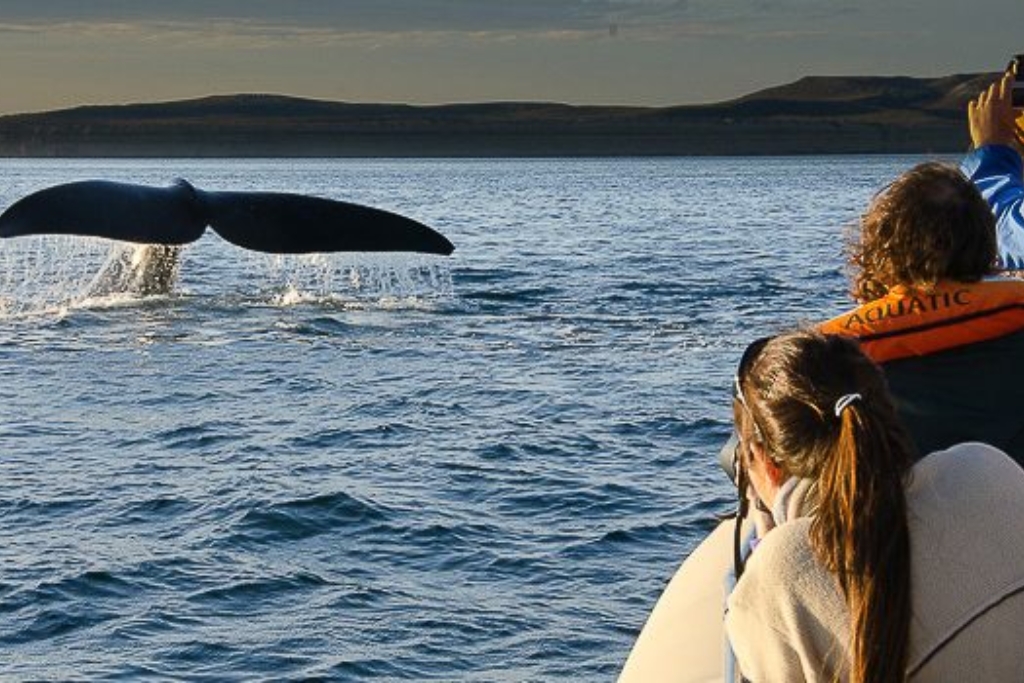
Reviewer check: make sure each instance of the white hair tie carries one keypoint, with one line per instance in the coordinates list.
(844, 401)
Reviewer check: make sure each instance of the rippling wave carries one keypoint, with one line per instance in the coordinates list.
(393, 468)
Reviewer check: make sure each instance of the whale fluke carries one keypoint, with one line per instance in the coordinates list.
(100, 208)
(273, 222)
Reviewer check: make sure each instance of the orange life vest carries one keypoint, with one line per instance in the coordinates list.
(912, 322)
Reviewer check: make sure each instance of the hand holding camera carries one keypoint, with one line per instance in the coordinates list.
(996, 117)
(1016, 67)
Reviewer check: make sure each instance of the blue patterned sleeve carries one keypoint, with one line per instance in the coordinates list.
(998, 172)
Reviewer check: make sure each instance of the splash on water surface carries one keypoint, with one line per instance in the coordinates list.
(52, 274)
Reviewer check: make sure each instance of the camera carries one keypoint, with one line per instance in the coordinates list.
(728, 458)
(1017, 66)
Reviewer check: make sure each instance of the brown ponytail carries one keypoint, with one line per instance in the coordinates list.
(859, 459)
(860, 533)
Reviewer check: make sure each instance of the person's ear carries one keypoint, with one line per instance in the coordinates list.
(771, 468)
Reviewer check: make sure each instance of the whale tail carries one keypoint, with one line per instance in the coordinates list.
(279, 223)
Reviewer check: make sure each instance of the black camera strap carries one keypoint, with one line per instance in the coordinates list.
(741, 514)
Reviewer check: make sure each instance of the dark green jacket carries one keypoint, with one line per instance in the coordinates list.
(971, 393)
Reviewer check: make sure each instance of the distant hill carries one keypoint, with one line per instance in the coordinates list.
(815, 115)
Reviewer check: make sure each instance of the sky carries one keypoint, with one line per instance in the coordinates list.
(62, 53)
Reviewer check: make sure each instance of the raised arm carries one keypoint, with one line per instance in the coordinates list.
(995, 166)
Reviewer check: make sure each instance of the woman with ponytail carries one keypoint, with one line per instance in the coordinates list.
(876, 569)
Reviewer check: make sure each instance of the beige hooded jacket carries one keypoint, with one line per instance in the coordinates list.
(787, 620)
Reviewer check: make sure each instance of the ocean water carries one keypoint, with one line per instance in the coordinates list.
(367, 468)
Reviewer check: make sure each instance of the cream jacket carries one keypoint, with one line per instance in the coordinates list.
(787, 620)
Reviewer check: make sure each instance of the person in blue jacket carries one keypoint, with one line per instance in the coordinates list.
(995, 166)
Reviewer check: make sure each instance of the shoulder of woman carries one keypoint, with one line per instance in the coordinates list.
(964, 510)
(784, 564)
(980, 475)
(964, 506)
(787, 540)
(786, 614)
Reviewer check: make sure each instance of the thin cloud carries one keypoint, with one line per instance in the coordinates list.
(249, 34)
(358, 15)
(263, 22)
